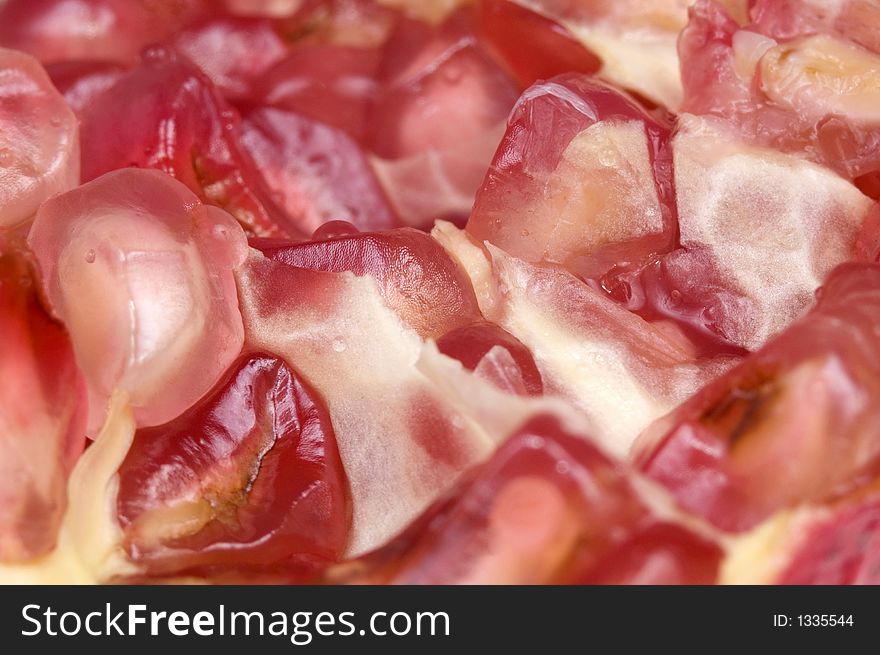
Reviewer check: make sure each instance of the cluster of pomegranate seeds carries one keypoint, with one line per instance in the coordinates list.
(440, 291)
(547, 507)
(801, 77)
(794, 422)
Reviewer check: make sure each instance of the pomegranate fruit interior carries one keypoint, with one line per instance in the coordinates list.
(440, 291)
